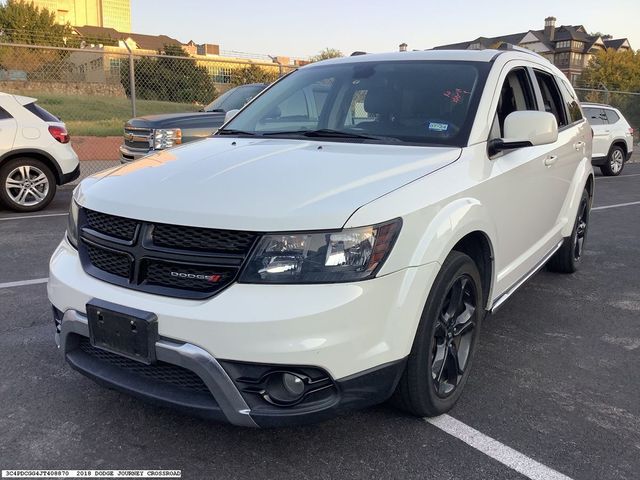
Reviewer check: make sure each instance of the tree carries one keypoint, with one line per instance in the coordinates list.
(24, 23)
(615, 71)
(171, 76)
(326, 54)
(254, 74)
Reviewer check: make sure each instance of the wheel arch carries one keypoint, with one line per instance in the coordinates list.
(36, 154)
(619, 142)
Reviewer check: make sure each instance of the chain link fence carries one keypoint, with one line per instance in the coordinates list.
(97, 88)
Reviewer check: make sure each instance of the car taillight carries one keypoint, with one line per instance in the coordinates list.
(631, 130)
(59, 133)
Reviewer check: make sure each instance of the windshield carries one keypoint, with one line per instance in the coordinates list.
(235, 98)
(413, 102)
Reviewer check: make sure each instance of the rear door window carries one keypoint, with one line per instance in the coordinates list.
(4, 114)
(41, 113)
(596, 116)
(551, 98)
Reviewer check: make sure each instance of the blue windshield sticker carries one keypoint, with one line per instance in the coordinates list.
(438, 127)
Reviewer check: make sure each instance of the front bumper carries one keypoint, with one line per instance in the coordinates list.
(357, 333)
(130, 154)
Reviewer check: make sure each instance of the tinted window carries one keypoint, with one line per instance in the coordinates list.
(596, 116)
(417, 102)
(551, 98)
(516, 95)
(41, 113)
(612, 116)
(575, 115)
(4, 114)
(235, 98)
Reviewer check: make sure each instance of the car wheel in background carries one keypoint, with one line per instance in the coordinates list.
(566, 259)
(440, 359)
(26, 184)
(615, 162)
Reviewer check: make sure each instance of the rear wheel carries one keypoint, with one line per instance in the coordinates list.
(440, 359)
(567, 259)
(26, 185)
(615, 162)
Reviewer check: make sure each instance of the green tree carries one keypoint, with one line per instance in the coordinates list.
(171, 76)
(326, 54)
(24, 23)
(614, 71)
(254, 74)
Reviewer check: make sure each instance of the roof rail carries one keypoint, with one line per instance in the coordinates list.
(514, 48)
(357, 53)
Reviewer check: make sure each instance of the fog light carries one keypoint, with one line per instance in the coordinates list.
(284, 388)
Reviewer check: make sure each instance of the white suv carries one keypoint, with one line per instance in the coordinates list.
(612, 137)
(35, 154)
(298, 265)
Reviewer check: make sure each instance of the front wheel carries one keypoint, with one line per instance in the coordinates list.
(615, 162)
(26, 185)
(440, 359)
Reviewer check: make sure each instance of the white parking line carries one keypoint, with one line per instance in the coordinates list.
(621, 176)
(34, 216)
(496, 450)
(615, 206)
(22, 283)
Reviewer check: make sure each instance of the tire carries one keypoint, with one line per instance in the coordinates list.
(568, 257)
(26, 185)
(419, 392)
(615, 162)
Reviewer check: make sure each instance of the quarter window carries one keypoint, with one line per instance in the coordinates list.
(575, 114)
(612, 116)
(551, 98)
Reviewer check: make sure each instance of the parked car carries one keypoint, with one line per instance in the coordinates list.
(299, 264)
(612, 137)
(150, 133)
(35, 154)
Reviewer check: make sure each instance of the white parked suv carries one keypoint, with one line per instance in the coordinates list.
(612, 137)
(35, 154)
(295, 266)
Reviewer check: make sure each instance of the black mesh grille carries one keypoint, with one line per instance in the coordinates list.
(161, 371)
(189, 277)
(202, 239)
(122, 228)
(111, 262)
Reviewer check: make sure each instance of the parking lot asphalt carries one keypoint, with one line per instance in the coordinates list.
(555, 379)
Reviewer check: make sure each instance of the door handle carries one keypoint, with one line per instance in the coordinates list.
(550, 160)
(578, 145)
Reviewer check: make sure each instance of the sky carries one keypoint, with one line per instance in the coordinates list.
(299, 28)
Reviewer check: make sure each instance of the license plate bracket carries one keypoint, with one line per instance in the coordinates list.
(122, 330)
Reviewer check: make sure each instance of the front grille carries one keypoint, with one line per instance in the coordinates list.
(170, 260)
(161, 372)
(119, 227)
(202, 239)
(118, 264)
(139, 138)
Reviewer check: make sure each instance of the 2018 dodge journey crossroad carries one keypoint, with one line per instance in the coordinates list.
(307, 261)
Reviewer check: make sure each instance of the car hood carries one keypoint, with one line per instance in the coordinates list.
(178, 120)
(259, 184)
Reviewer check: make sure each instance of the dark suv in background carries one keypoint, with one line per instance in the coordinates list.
(143, 135)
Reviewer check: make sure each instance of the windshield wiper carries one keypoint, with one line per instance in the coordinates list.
(329, 133)
(215, 110)
(230, 131)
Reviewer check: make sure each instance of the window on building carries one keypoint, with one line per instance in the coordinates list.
(516, 95)
(551, 98)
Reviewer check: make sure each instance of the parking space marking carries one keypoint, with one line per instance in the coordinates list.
(621, 176)
(496, 450)
(22, 283)
(34, 216)
(615, 206)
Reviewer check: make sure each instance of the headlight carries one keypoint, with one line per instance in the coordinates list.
(342, 256)
(72, 224)
(166, 138)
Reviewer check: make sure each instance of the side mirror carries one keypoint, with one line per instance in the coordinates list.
(526, 129)
(230, 114)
